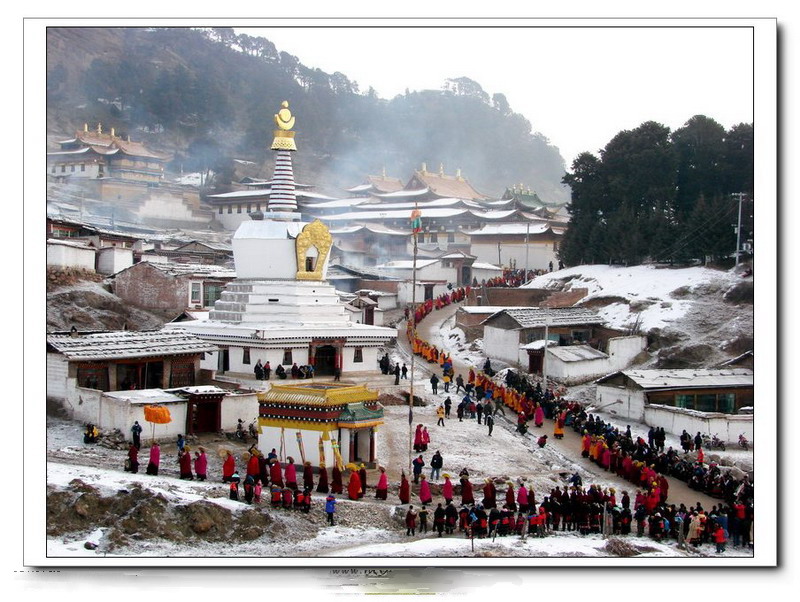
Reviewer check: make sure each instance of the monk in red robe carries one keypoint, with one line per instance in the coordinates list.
(322, 486)
(336, 481)
(354, 486)
(405, 489)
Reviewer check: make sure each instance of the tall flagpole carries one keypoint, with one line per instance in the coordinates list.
(416, 225)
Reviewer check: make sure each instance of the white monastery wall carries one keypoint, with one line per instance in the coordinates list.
(64, 256)
(502, 344)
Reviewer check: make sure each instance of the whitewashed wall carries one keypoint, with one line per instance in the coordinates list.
(57, 373)
(621, 352)
(111, 260)
(675, 420)
(621, 401)
(235, 406)
(65, 256)
(539, 254)
(502, 344)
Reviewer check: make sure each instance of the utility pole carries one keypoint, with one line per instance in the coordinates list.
(544, 356)
(527, 235)
(740, 196)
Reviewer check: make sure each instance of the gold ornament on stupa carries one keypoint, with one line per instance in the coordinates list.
(284, 136)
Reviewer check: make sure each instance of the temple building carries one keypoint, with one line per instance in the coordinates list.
(280, 308)
(95, 154)
(328, 422)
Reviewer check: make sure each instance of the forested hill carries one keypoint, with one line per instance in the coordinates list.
(209, 95)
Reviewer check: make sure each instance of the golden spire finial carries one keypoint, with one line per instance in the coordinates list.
(284, 119)
(284, 137)
(458, 173)
(112, 132)
(441, 169)
(99, 128)
(383, 171)
(424, 168)
(85, 127)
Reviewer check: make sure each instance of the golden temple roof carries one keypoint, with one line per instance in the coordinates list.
(333, 394)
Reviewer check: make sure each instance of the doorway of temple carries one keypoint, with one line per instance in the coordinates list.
(325, 360)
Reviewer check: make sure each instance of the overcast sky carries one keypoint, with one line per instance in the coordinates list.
(577, 86)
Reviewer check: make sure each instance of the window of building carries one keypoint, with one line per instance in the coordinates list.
(434, 237)
(181, 374)
(93, 376)
(211, 294)
(451, 237)
(72, 169)
(246, 355)
(287, 357)
(421, 237)
(83, 166)
(53, 169)
(63, 168)
(230, 209)
(238, 208)
(249, 207)
(358, 355)
(220, 209)
(197, 291)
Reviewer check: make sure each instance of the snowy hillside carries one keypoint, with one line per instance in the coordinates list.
(695, 316)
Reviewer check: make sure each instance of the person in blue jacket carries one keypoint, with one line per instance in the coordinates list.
(330, 507)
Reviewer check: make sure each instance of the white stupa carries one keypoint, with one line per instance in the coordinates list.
(280, 309)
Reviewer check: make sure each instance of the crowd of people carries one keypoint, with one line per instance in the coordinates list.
(644, 462)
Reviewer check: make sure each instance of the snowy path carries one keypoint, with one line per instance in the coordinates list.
(568, 449)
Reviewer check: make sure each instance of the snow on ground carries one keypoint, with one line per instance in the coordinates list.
(190, 179)
(647, 287)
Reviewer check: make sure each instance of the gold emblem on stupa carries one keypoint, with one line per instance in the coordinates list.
(284, 137)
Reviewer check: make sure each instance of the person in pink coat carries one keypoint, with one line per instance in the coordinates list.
(522, 498)
(605, 462)
(382, 488)
(290, 473)
(155, 459)
(447, 489)
(275, 474)
(418, 438)
(538, 415)
(425, 496)
(200, 463)
(426, 438)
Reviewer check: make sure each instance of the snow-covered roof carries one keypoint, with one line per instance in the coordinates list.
(127, 344)
(145, 396)
(539, 344)
(401, 193)
(69, 243)
(410, 205)
(536, 317)
(484, 309)
(359, 188)
(189, 269)
(493, 214)
(515, 228)
(406, 264)
(336, 203)
(394, 214)
(479, 265)
(576, 353)
(689, 378)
